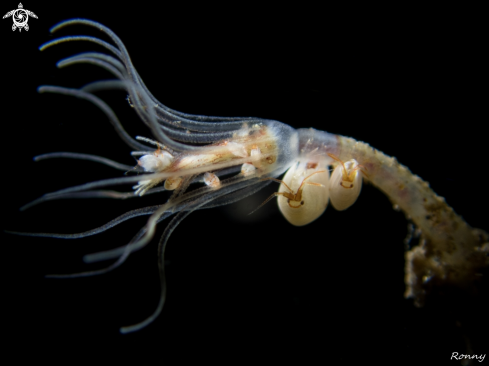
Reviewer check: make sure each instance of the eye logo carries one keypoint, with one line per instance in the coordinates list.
(20, 17)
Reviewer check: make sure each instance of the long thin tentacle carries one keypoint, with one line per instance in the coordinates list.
(89, 157)
(91, 60)
(102, 105)
(80, 38)
(107, 63)
(126, 180)
(101, 56)
(96, 272)
(104, 85)
(124, 217)
(161, 266)
(180, 204)
(161, 261)
(192, 121)
(120, 260)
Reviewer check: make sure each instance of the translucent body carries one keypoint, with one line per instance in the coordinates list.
(243, 151)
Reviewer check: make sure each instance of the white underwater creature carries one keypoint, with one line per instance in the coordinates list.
(209, 161)
(20, 17)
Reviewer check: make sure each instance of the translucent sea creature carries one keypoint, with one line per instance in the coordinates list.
(229, 159)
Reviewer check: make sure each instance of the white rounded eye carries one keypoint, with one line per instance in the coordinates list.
(308, 186)
(345, 185)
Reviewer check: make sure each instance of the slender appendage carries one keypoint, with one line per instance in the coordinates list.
(252, 152)
(190, 207)
(290, 195)
(97, 272)
(95, 158)
(451, 252)
(127, 216)
(161, 266)
(220, 199)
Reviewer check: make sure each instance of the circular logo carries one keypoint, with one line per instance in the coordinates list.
(20, 17)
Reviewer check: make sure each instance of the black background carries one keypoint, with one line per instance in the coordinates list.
(242, 286)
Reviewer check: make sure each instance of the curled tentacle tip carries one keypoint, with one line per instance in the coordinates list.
(47, 45)
(30, 204)
(26, 206)
(70, 21)
(133, 328)
(96, 257)
(89, 258)
(55, 27)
